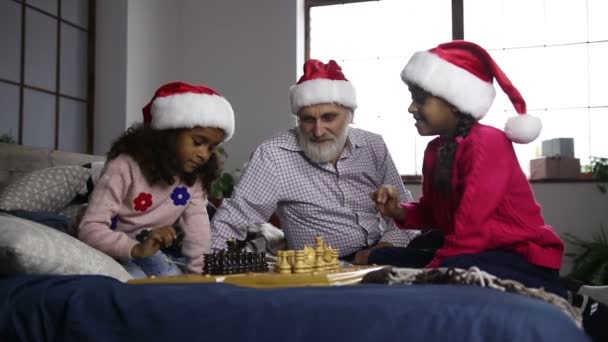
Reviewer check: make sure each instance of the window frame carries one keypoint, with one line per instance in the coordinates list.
(90, 72)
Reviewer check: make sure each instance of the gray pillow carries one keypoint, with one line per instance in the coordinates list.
(45, 190)
(27, 247)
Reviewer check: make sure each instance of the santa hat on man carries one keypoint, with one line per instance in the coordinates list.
(182, 105)
(322, 83)
(461, 73)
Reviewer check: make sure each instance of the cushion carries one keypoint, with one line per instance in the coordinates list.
(45, 190)
(31, 248)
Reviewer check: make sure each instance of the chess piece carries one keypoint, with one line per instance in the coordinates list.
(300, 264)
(319, 251)
(283, 265)
(335, 261)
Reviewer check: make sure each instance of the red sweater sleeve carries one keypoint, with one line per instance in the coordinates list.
(419, 214)
(486, 165)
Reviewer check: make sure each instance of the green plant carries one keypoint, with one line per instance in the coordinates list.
(223, 186)
(591, 257)
(599, 169)
(7, 139)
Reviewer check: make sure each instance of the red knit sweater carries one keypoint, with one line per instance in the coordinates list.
(491, 205)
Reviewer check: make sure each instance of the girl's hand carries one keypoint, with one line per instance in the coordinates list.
(386, 199)
(157, 239)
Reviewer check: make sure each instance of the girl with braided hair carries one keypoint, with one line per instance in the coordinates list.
(474, 190)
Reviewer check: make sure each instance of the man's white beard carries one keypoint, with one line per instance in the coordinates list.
(324, 152)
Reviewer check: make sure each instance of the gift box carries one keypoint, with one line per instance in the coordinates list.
(555, 168)
(560, 147)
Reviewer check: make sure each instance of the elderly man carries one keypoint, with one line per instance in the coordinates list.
(317, 177)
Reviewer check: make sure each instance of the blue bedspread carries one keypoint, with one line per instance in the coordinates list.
(95, 308)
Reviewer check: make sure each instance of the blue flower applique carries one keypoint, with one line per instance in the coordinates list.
(180, 195)
(114, 223)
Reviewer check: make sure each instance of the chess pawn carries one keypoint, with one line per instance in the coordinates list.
(290, 257)
(319, 262)
(300, 265)
(335, 261)
(283, 265)
(319, 242)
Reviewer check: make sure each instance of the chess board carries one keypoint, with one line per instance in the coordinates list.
(349, 275)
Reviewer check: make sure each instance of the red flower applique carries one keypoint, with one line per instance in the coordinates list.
(143, 201)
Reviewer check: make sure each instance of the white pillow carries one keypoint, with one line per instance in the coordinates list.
(27, 247)
(45, 190)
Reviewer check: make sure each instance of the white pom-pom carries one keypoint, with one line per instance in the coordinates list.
(523, 128)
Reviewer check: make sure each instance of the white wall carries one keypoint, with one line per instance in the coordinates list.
(251, 55)
(577, 208)
(154, 53)
(110, 73)
(250, 52)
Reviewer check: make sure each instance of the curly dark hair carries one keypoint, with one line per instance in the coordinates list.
(154, 151)
(443, 173)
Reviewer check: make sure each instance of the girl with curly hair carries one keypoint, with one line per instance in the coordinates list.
(157, 178)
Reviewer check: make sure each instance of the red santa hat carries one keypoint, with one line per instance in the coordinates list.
(322, 83)
(461, 73)
(182, 105)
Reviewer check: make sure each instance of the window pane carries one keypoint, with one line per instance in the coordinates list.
(598, 29)
(9, 102)
(73, 70)
(373, 42)
(49, 6)
(524, 68)
(341, 31)
(72, 125)
(598, 74)
(75, 11)
(10, 36)
(38, 119)
(483, 22)
(500, 23)
(599, 138)
(567, 123)
(566, 77)
(40, 50)
(566, 21)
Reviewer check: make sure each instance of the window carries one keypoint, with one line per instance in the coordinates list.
(552, 50)
(46, 74)
(555, 53)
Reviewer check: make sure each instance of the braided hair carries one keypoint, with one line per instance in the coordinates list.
(443, 173)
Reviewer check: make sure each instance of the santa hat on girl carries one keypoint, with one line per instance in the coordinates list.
(182, 105)
(461, 73)
(322, 83)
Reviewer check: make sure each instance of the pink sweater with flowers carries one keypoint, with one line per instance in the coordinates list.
(124, 203)
(491, 205)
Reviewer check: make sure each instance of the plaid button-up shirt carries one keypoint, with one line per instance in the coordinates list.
(313, 199)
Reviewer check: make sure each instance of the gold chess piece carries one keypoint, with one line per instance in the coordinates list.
(283, 265)
(300, 265)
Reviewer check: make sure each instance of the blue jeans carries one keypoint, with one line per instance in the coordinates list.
(154, 265)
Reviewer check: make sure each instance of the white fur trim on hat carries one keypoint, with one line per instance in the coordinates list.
(523, 128)
(322, 90)
(467, 92)
(190, 110)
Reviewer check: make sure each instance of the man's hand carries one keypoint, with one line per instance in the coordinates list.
(157, 239)
(386, 199)
(362, 256)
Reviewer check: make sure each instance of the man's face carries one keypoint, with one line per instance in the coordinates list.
(322, 131)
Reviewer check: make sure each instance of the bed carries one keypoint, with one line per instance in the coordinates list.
(38, 304)
(97, 308)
